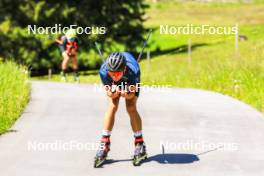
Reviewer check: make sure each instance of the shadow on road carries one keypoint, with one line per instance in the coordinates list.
(173, 158)
(176, 50)
(9, 131)
(168, 158)
(111, 161)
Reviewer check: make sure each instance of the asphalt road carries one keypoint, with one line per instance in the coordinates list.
(187, 132)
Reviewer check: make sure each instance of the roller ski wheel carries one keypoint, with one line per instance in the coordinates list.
(98, 162)
(102, 152)
(76, 80)
(140, 154)
(100, 158)
(63, 77)
(137, 160)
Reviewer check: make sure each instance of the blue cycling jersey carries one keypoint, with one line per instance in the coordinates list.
(130, 77)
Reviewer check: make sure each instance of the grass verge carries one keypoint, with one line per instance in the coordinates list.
(14, 93)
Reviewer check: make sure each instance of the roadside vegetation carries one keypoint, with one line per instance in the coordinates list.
(14, 93)
(215, 63)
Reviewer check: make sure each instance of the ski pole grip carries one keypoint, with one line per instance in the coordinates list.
(113, 88)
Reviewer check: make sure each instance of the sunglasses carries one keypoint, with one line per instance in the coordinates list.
(115, 74)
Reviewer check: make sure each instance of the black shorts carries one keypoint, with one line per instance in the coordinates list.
(62, 48)
(137, 93)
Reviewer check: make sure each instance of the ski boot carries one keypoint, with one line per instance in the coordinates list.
(140, 154)
(102, 152)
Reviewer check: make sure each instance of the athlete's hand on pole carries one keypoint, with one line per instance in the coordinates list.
(130, 93)
(127, 95)
(113, 92)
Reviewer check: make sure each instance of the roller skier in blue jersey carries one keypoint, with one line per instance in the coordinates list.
(121, 76)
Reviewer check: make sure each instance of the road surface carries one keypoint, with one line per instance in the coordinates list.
(187, 132)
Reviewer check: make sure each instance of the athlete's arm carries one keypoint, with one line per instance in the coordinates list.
(112, 91)
(130, 93)
(133, 87)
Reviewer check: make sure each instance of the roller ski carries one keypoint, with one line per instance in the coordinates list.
(76, 78)
(63, 77)
(102, 152)
(140, 154)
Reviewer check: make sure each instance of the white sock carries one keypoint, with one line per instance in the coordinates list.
(106, 133)
(138, 134)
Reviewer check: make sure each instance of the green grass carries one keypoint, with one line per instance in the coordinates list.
(207, 13)
(240, 77)
(14, 93)
(215, 65)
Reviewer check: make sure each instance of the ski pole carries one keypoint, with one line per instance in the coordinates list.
(99, 51)
(144, 45)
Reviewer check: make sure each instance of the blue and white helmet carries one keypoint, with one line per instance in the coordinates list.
(116, 62)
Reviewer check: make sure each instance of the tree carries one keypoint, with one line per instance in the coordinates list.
(122, 19)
